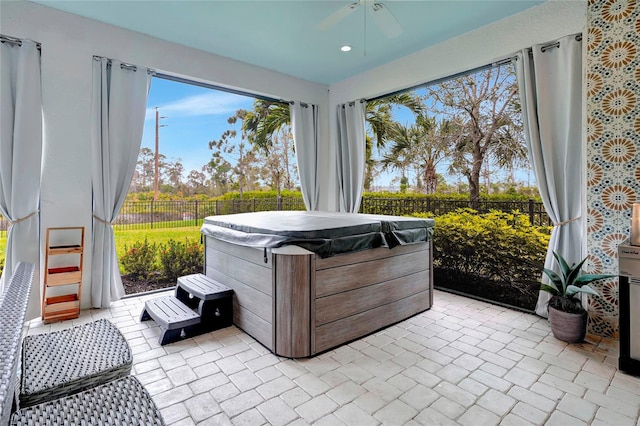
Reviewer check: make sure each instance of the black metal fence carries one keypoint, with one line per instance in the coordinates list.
(174, 214)
(399, 207)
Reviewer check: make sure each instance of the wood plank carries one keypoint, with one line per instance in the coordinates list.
(62, 298)
(312, 296)
(350, 328)
(349, 277)
(360, 256)
(250, 254)
(70, 249)
(58, 308)
(293, 305)
(341, 305)
(64, 278)
(249, 298)
(253, 325)
(253, 275)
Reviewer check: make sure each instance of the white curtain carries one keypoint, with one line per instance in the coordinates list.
(21, 157)
(550, 83)
(117, 118)
(304, 124)
(351, 154)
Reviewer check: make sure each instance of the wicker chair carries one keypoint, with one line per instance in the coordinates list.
(13, 308)
(121, 402)
(68, 361)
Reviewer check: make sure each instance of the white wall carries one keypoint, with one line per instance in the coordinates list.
(68, 44)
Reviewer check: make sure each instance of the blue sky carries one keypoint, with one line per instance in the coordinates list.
(195, 115)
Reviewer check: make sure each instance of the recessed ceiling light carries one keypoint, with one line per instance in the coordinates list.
(345, 48)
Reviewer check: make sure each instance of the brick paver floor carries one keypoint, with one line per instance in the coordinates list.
(462, 362)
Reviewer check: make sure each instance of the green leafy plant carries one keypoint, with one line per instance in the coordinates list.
(566, 286)
(177, 258)
(139, 260)
(496, 246)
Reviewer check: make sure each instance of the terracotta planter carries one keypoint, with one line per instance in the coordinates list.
(568, 327)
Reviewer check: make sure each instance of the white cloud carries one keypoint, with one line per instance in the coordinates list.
(214, 103)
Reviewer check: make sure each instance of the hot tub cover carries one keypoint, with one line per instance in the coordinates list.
(324, 233)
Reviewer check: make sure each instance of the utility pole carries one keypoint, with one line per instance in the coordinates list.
(156, 167)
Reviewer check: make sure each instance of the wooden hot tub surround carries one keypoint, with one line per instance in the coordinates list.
(298, 304)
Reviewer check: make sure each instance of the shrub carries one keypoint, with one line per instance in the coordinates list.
(497, 246)
(139, 260)
(177, 259)
(1, 265)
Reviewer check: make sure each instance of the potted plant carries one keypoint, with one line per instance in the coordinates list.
(567, 316)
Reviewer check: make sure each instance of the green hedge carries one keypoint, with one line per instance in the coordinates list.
(173, 259)
(496, 246)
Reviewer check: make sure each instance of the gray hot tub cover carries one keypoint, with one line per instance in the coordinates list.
(324, 233)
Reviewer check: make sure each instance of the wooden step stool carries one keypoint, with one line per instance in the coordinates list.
(200, 304)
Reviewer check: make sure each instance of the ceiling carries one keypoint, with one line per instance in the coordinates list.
(282, 35)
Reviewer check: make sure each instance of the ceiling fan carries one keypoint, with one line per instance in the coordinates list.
(382, 16)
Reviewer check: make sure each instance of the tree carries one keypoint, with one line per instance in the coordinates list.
(173, 172)
(143, 176)
(484, 108)
(197, 182)
(276, 162)
(379, 119)
(421, 146)
(264, 121)
(226, 149)
(268, 128)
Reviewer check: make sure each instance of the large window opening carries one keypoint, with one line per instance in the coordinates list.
(455, 150)
(204, 151)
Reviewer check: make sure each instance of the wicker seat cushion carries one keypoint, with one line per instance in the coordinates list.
(120, 402)
(64, 362)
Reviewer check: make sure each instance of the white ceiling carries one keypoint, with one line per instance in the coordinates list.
(282, 35)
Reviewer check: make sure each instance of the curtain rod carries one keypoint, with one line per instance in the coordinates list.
(557, 43)
(495, 64)
(220, 88)
(17, 41)
(440, 80)
(124, 65)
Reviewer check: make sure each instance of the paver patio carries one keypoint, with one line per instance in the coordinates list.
(462, 362)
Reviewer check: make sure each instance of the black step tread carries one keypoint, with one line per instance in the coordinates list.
(204, 287)
(170, 313)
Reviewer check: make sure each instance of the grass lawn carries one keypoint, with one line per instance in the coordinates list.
(130, 237)
(157, 236)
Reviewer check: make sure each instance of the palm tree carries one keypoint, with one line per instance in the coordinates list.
(264, 121)
(422, 145)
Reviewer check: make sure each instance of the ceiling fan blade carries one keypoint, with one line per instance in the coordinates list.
(385, 20)
(337, 16)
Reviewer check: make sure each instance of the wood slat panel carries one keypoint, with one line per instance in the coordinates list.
(253, 325)
(249, 298)
(250, 254)
(293, 305)
(341, 305)
(253, 275)
(359, 256)
(349, 277)
(350, 328)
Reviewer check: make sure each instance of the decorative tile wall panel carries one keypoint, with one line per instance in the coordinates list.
(613, 144)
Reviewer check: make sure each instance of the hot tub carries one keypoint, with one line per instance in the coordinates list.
(306, 282)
